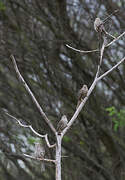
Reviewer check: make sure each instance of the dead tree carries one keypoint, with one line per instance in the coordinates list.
(64, 125)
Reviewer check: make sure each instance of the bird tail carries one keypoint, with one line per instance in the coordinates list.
(78, 104)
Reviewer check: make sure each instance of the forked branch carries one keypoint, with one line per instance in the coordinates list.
(96, 50)
(40, 159)
(110, 70)
(96, 79)
(36, 133)
(32, 95)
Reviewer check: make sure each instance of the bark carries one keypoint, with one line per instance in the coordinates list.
(58, 157)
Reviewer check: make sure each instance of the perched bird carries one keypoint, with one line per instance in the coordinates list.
(82, 94)
(39, 153)
(99, 26)
(62, 124)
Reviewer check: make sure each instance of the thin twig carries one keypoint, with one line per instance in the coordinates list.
(47, 142)
(110, 35)
(96, 50)
(36, 133)
(40, 159)
(82, 51)
(101, 55)
(109, 16)
(115, 39)
(32, 95)
(110, 70)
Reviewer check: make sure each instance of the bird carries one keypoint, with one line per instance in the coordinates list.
(39, 153)
(82, 94)
(62, 124)
(99, 26)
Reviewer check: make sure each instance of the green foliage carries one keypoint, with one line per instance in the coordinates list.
(117, 117)
(32, 140)
(2, 6)
(66, 139)
(82, 143)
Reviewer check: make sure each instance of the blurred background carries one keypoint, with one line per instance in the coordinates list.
(36, 32)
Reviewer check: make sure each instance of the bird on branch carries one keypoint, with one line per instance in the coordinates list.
(62, 124)
(39, 153)
(99, 27)
(82, 94)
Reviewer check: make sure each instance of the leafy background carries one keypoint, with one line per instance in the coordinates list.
(36, 33)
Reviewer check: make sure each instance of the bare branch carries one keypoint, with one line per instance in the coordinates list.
(40, 159)
(110, 70)
(101, 55)
(47, 142)
(74, 116)
(86, 98)
(91, 88)
(102, 50)
(110, 15)
(96, 50)
(36, 133)
(89, 91)
(115, 39)
(81, 51)
(79, 108)
(110, 35)
(32, 95)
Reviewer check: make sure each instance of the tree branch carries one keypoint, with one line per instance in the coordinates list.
(86, 98)
(110, 70)
(82, 51)
(101, 56)
(47, 142)
(80, 107)
(40, 159)
(96, 50)
(94, 82)
(110, 35)
(89, 91)
(32, 95)
(36, 133)
(115, 39)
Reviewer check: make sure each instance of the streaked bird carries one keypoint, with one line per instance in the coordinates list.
(99, 26)
(62, 124)
(82, 94)
(39, 153)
